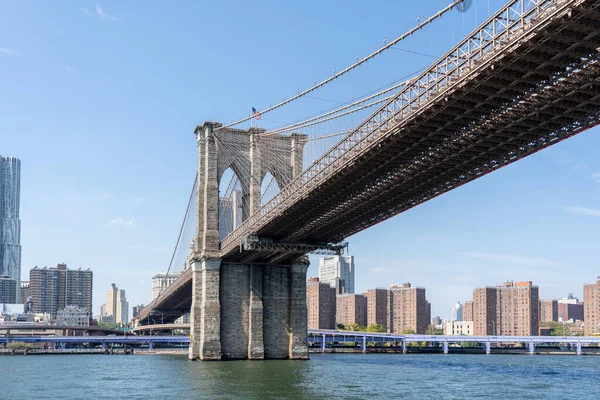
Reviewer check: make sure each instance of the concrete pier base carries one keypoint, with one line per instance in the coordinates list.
(247, 311)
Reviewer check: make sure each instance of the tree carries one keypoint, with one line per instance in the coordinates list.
(353, 327)
(20, 346)
(375, 328)
(341, 326)
(432, 330)
(408, 332)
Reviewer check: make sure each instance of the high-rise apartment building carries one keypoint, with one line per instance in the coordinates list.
(436, 321)
(408, 309)
(591, 308)
(484, 311)
(351, 309)
(518, 309)
(548, 310)
(467, 311)
(161, 281)
(511, 309)
(341, 267)
(321, 303)
(52, 289)
(8, 289)
(10, 224)
(377, 307)
(116, 305)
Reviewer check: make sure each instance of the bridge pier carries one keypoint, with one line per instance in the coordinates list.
(246, 311)
(488, 348)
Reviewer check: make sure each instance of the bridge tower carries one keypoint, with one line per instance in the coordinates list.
(242, 309)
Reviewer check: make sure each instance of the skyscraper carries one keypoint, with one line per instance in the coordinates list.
(321, 304)
(116, 305)
(341, 267)
(409, 309)
(10, 224)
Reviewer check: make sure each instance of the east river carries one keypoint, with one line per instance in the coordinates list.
(329, 376)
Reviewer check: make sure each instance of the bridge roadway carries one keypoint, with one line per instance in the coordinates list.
(527, 78)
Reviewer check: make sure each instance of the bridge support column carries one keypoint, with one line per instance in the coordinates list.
(256, 346)
(403, 346)
(445, 346)
(298, 349)
(323, 341)
(579, 348)
(205, 328)
(488, 348)
(364, 344)
(531, 348)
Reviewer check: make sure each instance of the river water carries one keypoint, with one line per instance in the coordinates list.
(325, 376)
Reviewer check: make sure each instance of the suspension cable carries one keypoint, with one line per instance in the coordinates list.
(351, 67)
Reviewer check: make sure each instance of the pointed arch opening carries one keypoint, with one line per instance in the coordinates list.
(268, 188)
(230, 203)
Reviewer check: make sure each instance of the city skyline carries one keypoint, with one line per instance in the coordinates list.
(109, 157)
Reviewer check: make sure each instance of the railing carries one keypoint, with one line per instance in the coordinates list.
(494, 36)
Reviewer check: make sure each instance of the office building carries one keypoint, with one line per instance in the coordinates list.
(548, 310)
(52, 289)
(161, 281)
(321, 304)
(116, 305)
(351, 309)
(467, 311)
(591, 308)
(8, 289)
(457, 312)
(408, 309)
(377, 307)
(230, 213)
(24, 292)
(137, 309)
(484, 311)
(570, 309)
(73, 316)
(10, 224)
(458, 328)
(436, 321)
(340, 267)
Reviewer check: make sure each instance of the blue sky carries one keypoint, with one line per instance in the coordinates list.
(100, 100)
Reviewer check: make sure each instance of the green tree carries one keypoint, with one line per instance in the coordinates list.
(353, 327)
(432, 330)
(408, 332)
(375, 328)
(341, 326)
(20, 346)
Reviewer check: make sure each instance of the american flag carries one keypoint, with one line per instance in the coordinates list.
(255, 113)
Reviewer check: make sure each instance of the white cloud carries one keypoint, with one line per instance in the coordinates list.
(9, 52)
(68, 68)
(506, 258)
(585, 211)
(103, 14)
(122, 222)
(86, 11)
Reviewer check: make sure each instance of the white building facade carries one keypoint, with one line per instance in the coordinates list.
(341, 267)
(458, 328)
(116, 305)
(161, 281)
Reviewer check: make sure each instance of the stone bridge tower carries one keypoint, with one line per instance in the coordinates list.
(244, 310)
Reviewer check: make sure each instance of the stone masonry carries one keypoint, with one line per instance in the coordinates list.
(244, 311)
